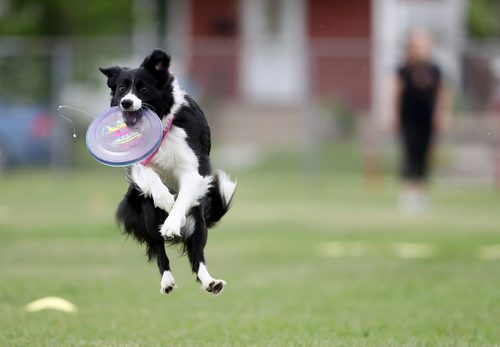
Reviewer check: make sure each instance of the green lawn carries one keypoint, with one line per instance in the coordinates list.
(288, 284)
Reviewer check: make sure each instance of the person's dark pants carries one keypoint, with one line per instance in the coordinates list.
(416, 148)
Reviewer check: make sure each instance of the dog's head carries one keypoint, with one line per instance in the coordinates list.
(148, 86)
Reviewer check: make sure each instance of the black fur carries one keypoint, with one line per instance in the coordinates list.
(137, 215)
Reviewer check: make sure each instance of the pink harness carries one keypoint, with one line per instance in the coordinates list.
(170, 122)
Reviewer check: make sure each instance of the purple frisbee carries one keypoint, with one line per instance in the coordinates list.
(114, 143)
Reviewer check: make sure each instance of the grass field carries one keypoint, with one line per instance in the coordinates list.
(329, 263)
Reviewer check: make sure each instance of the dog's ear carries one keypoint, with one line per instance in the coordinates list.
(157, 62)
(111, 73)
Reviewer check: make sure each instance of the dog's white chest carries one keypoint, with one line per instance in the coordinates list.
(174, 157)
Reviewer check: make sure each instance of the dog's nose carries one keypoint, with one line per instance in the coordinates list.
(126, 104)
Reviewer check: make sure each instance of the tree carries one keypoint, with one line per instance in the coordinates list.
(65, 18)
(26, 75)
(483, 18)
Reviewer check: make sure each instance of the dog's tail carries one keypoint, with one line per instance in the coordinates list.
(219, 196)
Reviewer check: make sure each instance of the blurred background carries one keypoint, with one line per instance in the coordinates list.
(320, 67)
(297, 94)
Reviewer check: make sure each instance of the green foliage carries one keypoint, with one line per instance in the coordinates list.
(26, 75)
(65, 18)
(483, 18)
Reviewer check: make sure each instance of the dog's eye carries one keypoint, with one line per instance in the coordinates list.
(144, 90)
(122, 89)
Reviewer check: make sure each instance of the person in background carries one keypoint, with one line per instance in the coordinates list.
(420, 115)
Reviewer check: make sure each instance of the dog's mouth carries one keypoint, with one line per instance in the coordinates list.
(131, 117)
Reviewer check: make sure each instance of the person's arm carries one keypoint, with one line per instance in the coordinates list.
(442, 115)
(395, 104)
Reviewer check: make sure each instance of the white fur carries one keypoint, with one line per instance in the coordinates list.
(136, 102)
(172, 225)
(179, 97)
(177, 161)
(204, 276)
(206, 279)
(174, 153)
(226, 186)
(188, 228)
(192, 187)
(151, 185)
(167, 281)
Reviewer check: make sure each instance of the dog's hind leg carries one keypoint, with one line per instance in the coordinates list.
(156, 244)
(167, 283)
(195, 246)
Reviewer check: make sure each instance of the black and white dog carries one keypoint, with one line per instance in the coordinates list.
(176, 196)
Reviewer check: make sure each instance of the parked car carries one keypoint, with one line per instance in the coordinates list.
(25, 135)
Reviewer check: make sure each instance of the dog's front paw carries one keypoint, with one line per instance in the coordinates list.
(167, 283)
(164, 200)
(172, 226)
(215, 286)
